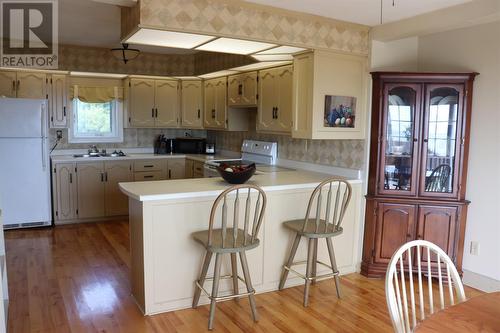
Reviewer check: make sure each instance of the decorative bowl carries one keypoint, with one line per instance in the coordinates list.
(240, 175)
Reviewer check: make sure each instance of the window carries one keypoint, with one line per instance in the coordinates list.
(94, 119)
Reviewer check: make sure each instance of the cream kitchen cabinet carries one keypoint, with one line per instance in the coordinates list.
(116, 203)
(192, 104)
(58, 99)
(91, 191)
(275, 100)
(215, 103)
(198, 171)
(188, 168)
(176, 168)
(152, 103)
(319, 74)
(242, 90)
(64, 191)
(23, 84)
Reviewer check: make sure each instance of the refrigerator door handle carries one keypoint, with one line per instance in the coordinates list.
(44, 152)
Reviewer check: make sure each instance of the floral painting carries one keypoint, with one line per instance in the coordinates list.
(340, 111)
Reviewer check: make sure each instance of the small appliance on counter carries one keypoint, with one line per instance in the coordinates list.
(190, 145)
(210, 148)
(163, 145)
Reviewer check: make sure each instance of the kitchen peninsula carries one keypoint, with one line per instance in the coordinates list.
(165, 261)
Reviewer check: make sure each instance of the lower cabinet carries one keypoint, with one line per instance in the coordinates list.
(90, 186)
(116, 201)
(394, 223)
(188, 169)
(176, 169)
(64, 191)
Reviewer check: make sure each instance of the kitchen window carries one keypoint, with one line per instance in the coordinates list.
(96, 115)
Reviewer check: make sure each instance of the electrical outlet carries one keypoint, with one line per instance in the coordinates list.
(59, 134)
(474, 248)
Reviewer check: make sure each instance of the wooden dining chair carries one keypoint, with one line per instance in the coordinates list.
(325, 224)
(408, 306)
(231, 238)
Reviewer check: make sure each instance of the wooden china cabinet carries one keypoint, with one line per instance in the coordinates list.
(420, 132)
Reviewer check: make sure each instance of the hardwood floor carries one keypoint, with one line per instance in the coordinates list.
(75, 279)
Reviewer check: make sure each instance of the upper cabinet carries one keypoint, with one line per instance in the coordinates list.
(275, 100)
(58, 99)
(329, 96)
(192, 104)
(23, 84)
(215, 103)
(242, 90)
(152, 103)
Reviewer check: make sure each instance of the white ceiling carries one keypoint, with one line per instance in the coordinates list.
(362, 11)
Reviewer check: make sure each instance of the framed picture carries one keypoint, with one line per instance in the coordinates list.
(340, 111)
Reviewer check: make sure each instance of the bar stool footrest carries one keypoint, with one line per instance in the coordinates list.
(225, 297)
(317, 277)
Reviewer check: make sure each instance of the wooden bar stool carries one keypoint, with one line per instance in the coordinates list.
(326, 224)
(231, 239)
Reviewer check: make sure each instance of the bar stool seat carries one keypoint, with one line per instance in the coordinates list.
(324, 229)
(216, 245)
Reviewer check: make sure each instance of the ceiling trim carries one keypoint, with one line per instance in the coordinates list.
(124, 3)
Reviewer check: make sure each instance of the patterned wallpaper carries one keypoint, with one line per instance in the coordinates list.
(338, 153)
(239, 19)
(206, 62)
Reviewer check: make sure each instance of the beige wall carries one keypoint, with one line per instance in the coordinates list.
(476, 49)
(398, 55)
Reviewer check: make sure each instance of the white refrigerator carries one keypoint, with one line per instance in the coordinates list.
(25, 198)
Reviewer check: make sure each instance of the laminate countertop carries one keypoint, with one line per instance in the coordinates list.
(194, 157)
(201, 187)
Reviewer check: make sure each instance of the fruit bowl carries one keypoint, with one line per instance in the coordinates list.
(239, 174)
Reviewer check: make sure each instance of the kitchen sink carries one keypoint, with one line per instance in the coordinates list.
(99, 155)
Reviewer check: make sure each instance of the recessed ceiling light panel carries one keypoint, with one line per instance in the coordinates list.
(236, 46)
(272, 57)
(283, 50)
(167, 38)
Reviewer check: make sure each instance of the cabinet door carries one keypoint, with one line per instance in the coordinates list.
(188, 169)
(234, 90)
(31, 85)
(395, 226)
(399, 140)
(439, 172)
(267, 100)
(58, 101)
(8, 84)
(437, 224)
(248, 96)
(116, 202)
(142, 103)
(192, 104)
(167, 103)
(90, 190)
(221, 103)
(176, 169)
(209, 103)
(65, 198)
(284, 83)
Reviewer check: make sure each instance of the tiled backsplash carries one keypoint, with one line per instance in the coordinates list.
(132, 138)
(338, 153)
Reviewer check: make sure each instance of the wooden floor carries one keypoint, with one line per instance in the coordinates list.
(75, 279)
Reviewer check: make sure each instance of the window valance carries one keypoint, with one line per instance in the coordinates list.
(96, 94)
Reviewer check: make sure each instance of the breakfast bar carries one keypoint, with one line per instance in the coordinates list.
(165, 261)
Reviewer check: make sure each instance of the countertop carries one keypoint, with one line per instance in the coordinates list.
(195, 157)
(200, 187)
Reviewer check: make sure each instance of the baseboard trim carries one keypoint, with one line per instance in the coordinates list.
(481, 282)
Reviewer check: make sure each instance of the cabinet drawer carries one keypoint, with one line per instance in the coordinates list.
(148, 165)
(147, 175)
(198, 175)
(198, 167)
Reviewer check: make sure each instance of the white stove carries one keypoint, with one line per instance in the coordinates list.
(264, 154)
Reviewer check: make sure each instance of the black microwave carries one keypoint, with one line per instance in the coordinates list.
(190, 145)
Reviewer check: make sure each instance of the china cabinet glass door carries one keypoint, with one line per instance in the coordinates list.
(441, 141)
(399, 148)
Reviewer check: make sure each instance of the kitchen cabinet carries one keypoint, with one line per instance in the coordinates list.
(275, 100)
(152, 103)
(176, 168)
(242, 90)
(420, 132)
(115, 201)
(326, 80)
(188, 169)
(215, 103)
(23, 84)
(58, 99)
(64, 191)
(91, 192)
(192, 104)
(198, 169)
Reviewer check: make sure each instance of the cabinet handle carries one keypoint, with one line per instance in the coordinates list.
(240, 89)
(18, 84)
(277, 110)
(213, 113)
(64, 111)
(147, 177)
(149, 166)
(156, 113)
(14, 85)
(102, 177)
(152, 112)
(169, 174)
(425, 140)
(199, 114)
(106, 177)
(71, 178)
